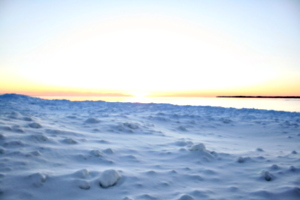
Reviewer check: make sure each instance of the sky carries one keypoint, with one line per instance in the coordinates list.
(184, 48)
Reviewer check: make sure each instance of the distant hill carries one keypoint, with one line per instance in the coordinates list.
(25, 98)
(13, 96)
(284, 97)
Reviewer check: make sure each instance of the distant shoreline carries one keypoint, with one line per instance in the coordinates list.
(282, 97)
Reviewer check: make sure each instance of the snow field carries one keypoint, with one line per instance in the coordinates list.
(98, 150)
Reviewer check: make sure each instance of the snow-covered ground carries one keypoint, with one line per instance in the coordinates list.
(58, 149)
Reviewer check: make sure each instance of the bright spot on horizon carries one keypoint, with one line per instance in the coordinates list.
(152, 48)
(141, 97)
(139, 94)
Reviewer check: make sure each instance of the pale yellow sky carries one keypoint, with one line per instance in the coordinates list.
(150, 50)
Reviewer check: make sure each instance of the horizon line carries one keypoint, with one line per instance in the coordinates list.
(112, 95)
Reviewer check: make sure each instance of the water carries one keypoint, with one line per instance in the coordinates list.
(291, 105)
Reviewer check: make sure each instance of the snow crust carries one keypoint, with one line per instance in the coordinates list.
(59, 149)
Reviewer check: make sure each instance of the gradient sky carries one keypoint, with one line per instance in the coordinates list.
(150, 47)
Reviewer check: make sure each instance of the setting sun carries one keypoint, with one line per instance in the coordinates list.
(138, 96)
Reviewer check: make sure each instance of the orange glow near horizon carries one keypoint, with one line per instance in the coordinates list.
(54, 92)
(272, 88)
(43, 90)
(276, 87)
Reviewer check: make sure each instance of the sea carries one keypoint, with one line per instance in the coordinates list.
(278, 104)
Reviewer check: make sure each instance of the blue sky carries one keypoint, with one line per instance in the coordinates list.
(199, 47)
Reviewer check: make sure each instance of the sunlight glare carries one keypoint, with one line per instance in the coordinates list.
(142, 55)
(139, 96)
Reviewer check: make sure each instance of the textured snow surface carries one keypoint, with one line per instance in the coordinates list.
(58, 149)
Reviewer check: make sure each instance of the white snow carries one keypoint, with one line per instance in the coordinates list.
(58, 149)
(109, 178)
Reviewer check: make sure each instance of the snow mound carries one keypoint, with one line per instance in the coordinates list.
(127, 198)
(96, 153)
(70, 141)
(34, 125)
(226, 121)
(292, 168)
(34, 153)
(128, 127)
(109, 178)
(131, 125)
(182, 128)
(108, 151)
(84, 173)
(147, 197)
(2, 137)
(14, 115)
(267, 175)
(92, 121)
(2, 150)
(243, 159)
(182, 143)
(39, 138)
(28, 119)
(186, 197)
(85, 185)
(198, 147)
(274, 167)
(201, 150)
(17, 129)
(38, 179)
